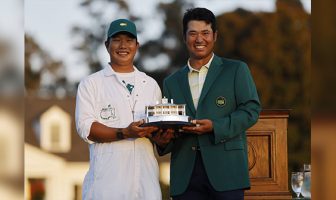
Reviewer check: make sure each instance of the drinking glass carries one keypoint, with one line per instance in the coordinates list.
(305, 190)
(297, 180)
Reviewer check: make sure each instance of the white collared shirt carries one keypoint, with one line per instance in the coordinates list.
(125, 169)
(196, 80)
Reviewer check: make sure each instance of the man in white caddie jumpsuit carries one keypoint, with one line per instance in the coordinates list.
(109, 108)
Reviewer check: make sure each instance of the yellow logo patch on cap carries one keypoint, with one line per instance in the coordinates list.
(123, 24)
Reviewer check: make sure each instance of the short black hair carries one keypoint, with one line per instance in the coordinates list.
(200, 14)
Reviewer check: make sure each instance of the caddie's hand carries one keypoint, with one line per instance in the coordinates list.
(163, 137)
(134, 130)
(203, 126)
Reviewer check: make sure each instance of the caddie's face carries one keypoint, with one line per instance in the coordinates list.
(200, 39)
(122, 49)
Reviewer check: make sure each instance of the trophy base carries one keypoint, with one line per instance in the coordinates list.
(169, 121)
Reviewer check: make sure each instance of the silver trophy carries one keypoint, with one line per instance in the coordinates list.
(167, 115)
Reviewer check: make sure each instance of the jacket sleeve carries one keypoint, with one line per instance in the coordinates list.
(248, 108)
(85, 114)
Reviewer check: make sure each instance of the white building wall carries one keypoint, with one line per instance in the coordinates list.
(11, 134)
(60, 175)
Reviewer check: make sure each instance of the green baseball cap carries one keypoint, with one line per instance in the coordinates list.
(122, 25)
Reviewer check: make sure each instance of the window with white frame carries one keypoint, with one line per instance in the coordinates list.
(78, 192)
(55, 130)
(55, 134)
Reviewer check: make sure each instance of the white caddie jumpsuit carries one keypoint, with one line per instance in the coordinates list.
(125, 169)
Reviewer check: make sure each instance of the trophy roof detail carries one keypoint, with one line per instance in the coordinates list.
(166, 108)
(165, 101)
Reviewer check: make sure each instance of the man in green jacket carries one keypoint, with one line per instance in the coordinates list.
(209, 161)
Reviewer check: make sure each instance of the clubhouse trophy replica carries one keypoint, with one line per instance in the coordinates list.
(167, 115)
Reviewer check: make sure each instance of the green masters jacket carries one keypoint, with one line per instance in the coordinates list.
(229, 98)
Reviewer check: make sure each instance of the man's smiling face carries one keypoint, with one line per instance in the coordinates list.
(122, 49)
(200, 39)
